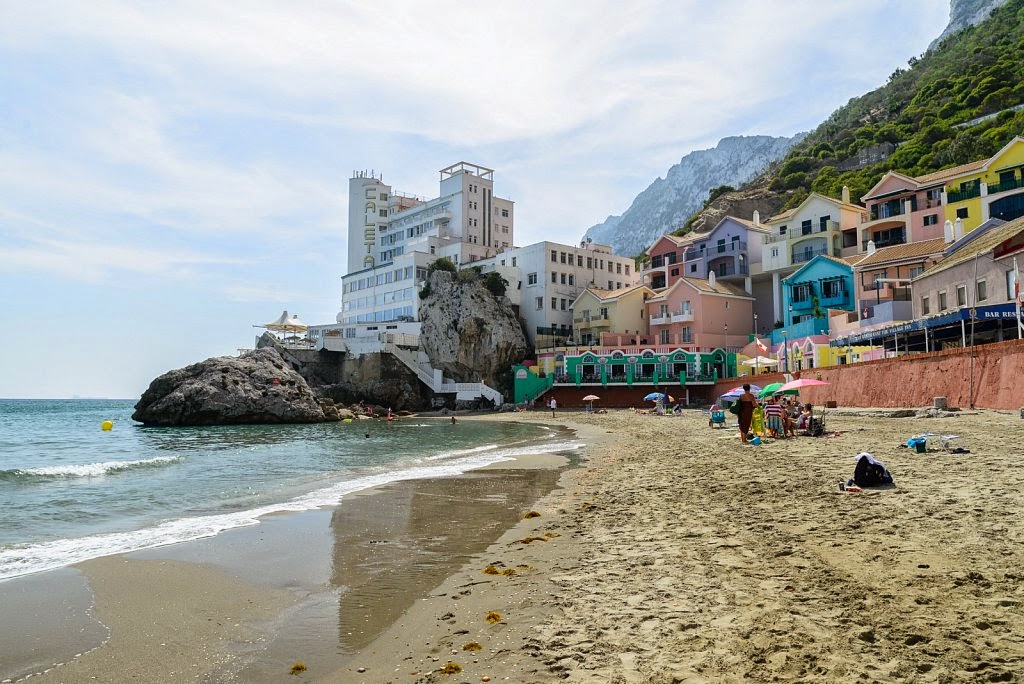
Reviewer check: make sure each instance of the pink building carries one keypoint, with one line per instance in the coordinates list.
(902, 209)
(665, 264)
(701, 315)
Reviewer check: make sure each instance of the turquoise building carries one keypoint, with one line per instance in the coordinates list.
(823, 283)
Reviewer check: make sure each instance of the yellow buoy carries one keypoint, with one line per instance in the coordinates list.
(107, 425)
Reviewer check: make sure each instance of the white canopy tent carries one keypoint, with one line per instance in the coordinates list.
(287, 324)
(761, 361)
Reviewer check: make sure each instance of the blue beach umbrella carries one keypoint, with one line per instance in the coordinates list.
(654, 396)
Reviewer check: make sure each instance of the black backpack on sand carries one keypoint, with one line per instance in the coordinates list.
(868, 474)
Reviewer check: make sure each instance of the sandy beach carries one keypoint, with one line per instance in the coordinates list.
(672, 555)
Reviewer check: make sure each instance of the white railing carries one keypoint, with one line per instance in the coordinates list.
(682, 317)
(465, 391)
(661, 320)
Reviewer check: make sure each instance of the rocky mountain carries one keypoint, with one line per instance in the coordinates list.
(667, 202)
(964, 13)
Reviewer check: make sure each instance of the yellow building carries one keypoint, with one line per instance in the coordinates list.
(605, 312)
(984, 189)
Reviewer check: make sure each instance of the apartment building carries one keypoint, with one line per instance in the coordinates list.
(984, 189)
(546, 277)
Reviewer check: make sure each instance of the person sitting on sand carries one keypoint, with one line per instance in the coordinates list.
(806, 414)
(747, 402)
(773, 418)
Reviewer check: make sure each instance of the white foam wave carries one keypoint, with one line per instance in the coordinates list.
(96, 469)
(458, 452)
(15, 562)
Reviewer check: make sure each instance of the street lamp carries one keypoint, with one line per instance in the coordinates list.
(727, 348)
(757, 349)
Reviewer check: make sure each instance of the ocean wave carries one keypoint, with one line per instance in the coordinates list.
(88, 469)
(18, 561)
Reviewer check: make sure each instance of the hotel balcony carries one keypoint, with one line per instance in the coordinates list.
(661, 320)
(801, 256)
(682, 317)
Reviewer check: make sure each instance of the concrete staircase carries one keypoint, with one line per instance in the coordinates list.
(418, 363)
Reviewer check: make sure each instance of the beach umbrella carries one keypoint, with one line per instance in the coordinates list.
(802, 382)
(775, 388)
(654, 396)
(591, 398)
(753, 388)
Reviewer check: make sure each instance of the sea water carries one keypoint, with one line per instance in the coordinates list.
(70, 491)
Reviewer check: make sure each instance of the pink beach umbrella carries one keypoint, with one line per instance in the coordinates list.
(802, 382)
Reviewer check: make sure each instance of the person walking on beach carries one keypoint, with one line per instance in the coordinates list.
(747, 402)
(554, 405)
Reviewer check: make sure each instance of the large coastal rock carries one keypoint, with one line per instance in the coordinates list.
(468, 332)
(257, 387)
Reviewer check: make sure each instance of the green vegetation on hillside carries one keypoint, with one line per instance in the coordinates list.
(976, 72)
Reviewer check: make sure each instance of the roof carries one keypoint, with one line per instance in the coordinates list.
(719, 287)
(871, 194)
(845, 261)
(613, 294)
(676, 239)
(750, 224)
(784, 215)
(951, 172)
(839, 203)
(911, 250)
(980, 245)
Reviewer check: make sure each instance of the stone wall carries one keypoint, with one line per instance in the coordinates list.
(912, 381)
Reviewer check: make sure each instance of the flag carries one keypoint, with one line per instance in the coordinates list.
(760, 345)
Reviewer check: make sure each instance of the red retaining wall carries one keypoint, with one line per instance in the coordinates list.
(912, 381)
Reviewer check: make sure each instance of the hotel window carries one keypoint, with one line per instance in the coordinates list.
(554, 303)
(563, 304)
(539, 301)
(931, 219)
(563, 257)
(554, 256)
(925, 306)
(982, 292)
(563, 279)
(572, 279)
(942, 301)
(961, 213)
(961, 295)
(531, 279)
(554, 278)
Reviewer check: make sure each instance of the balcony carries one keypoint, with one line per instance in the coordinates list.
(728, 269)
(801, 256)
(661, 320)
(683, 317)
(812, 326)
(963, 195)
(1004, 186)
(835, 301)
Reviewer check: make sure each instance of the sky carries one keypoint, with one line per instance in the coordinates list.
(174, 173)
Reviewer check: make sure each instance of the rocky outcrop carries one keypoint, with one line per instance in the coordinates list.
(468, 332)
(667, 203)
(256, 387)
(741, 203)
(964, 13)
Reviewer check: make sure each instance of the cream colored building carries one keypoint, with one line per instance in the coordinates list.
(598, 312)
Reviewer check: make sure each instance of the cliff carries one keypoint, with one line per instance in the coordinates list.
(468, 331)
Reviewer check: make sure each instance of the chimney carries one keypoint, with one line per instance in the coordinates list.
(757, 218)
(947, 232)
(958, 229)
(871, 247)
(846, 194)
(711, 278)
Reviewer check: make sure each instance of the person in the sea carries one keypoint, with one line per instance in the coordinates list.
(747, 402)
(453, 420)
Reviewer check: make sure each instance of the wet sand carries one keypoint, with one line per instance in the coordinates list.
(312, 587)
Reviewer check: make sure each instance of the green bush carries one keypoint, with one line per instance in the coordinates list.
(496, 284)
(442, 264)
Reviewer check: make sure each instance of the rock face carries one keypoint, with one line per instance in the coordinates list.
(964, 13)
(257, 387)
(469, 333)
(667, 203)
(741, 203)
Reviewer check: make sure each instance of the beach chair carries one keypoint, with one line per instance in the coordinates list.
(717, 419)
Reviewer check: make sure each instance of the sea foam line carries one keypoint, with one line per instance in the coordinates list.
(91, 469)
(15, 562)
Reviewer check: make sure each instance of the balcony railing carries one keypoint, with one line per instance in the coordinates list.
(1011, 184)
(882, 211)
(661, 320)
(589, 319)
(682, 317)
(803, 255)
(961, 195)
(730, 269)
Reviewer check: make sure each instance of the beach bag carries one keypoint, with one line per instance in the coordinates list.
(868, 474)
(735, 408)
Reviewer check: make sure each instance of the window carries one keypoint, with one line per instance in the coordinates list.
(531, 279)
(664, 336)
(539, 301)
(604, 312)
(961, 213)
(554, 277)
(590, 262)
(823, 222)
(942, 301)
(504, 213)
(572, 279)
(554, 256)
(675, 271)
(618, 268)
(610, 285)
(916, 271)
(554, 303)
(627, 269)
(805, 227)
(563, 279)
(383, 213)
(563, 257)
(693, 268)
(925, 306)
(1011, 285)
(931, 219)
(981, 294)
(513, 262)
(782, 230)
(961, 295)
(831, 289)
(727, 304)
(775, 251)
(579, 260)
(611, 267)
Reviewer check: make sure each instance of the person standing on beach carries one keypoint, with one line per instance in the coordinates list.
(747, 402)
(554, 405)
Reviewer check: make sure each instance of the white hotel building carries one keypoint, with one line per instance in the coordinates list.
(545, 278)
(393, 237)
